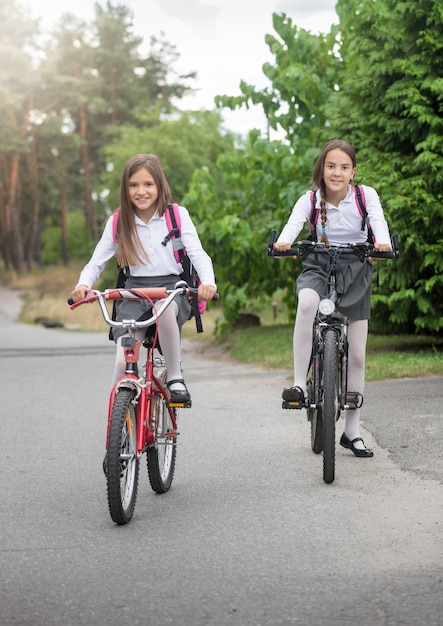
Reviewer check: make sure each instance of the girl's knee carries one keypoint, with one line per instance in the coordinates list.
(308, 300)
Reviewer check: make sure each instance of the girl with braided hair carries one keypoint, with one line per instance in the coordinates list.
(339, 223)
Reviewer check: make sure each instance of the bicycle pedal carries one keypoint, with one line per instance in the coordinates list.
(286, 404)
(180, 405)
(354, 400)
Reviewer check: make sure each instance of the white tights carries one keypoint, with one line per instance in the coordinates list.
(169, 336)
(308, 300)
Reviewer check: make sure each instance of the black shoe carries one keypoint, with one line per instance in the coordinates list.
(179, 396)
(294, 398)
(347, 443)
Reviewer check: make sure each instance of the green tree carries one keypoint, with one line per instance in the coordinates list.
(375, 80)
(264, 178)
(18, 84)
(183, 142)
(63, 102)
(236, 217)
(390, 107)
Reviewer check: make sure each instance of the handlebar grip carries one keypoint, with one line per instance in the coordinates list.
(393, 254)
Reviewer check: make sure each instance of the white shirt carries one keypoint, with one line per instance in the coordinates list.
(343, 221)
(161, 258)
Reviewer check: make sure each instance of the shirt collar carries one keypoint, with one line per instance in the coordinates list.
(140, 222)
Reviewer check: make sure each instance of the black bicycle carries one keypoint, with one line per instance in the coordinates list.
(327, 382)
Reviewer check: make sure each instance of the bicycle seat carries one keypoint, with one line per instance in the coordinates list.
(148, 341)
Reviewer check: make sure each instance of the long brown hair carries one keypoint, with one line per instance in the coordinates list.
(129, 249)
(317, 175)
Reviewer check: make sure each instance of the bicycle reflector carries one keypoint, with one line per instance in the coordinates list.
(326, 306)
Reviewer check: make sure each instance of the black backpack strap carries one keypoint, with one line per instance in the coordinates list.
(313, 217)
(364, 213)
(187, 270)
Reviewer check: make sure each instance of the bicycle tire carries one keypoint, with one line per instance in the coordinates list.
(315, 418)
(122, 464)
(329, 403)
(161, 454)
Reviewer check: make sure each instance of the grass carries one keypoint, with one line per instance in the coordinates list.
(46, 292)
(395, 356)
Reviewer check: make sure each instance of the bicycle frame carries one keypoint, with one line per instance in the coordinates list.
(148, 385)
(339, 324)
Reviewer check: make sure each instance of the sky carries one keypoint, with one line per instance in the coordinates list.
(222, 40)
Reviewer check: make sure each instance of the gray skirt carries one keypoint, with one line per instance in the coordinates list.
(140, 309)
(353, 283)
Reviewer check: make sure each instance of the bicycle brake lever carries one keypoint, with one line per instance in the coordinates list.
(87, 300)
(395, 246)
(271, 242)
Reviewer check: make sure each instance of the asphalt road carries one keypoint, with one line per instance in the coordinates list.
(249, 534)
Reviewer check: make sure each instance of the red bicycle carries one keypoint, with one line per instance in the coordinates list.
(141, 417)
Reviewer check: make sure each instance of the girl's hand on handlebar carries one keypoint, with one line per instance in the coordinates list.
(79, 293)
(282, 246)
(206, 292)
(382, 247)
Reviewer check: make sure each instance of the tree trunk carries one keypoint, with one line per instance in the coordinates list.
(13, 208)
(64, 214)
(34, 249)
(87, 197)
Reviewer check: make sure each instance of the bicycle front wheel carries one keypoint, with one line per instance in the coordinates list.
(122, 464)
(329, 404)
(315, 418)
(162, 452)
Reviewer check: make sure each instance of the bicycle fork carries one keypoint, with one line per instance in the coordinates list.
(346, 400)
(148, 390)
(315, 382)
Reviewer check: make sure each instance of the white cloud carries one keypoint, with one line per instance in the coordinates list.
(198, 15)
(303, 7)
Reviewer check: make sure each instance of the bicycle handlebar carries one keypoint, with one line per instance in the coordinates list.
(143, 293)
(362, 250)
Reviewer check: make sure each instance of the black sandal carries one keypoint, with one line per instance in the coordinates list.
(294, 398)
(179, 396)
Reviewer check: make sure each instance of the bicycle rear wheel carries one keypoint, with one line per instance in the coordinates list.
(122, 464)
(161, 454)
(329, 404)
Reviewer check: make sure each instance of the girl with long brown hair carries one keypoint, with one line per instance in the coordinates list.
(140, 247)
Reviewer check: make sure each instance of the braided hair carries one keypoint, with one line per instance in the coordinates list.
(318, 180)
